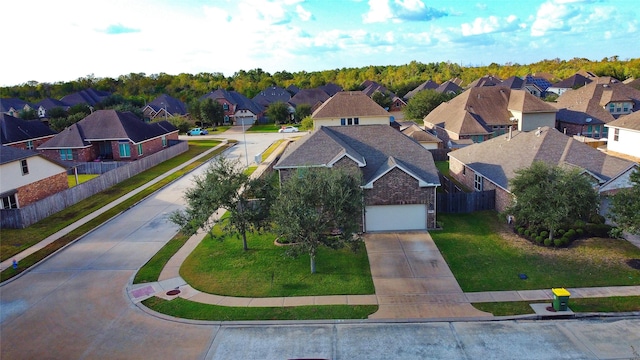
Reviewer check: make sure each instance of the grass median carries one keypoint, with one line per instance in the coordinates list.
(16, 240)
(582, 305)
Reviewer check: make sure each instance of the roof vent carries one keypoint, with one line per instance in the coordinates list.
(539, 131)
(588, 120)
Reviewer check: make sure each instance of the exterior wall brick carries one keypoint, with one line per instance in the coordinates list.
(398, 187)
(467, 178)
(41, 189)
(36, 143)
(347, 165)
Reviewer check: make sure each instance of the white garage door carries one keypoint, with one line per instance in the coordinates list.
(396, 217)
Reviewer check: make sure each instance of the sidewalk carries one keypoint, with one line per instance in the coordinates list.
(9, 262)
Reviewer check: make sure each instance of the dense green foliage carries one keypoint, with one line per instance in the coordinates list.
(278, 112)
(424, 102)
(548, 197)
(625, 207)
(399, 79)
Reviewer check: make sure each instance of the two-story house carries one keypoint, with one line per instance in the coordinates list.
(624, 135)
(350, 108)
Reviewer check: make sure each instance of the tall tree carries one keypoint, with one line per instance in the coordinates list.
(382, 99)
(423, 103)
(211, 112)
(302, 111)
(225, 185)
(278, 112)
(319, 207)
(549, 197)
(625, 206)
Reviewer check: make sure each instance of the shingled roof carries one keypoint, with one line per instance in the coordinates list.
(589, 102)
(349, 104)
(240, 101)
(17, 104)
(311, 97)
(171, 104)
(498, 159)
(15, 130)
(88, 96)
(108, 125)
(427, 85)
(373, 147)
(272, 94)
(630, 122)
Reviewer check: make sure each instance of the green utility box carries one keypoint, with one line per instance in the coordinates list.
(560, 299)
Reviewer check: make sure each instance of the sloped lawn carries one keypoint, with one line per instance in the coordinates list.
(484, 255)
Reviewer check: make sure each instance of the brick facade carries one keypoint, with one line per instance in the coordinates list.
(466, 177)
(41, 189)
(35, 142)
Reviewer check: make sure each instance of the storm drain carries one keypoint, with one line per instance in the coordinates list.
(173, 292)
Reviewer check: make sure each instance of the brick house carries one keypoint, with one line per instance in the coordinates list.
(23, 134)
(238, 109)
(164, 106)
(28, 177)
(109, 134)
(399, 175)
(492, 164)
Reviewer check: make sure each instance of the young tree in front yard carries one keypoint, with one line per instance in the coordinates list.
(549, 197)
(302, 111)
(625, 206)
(278, 112)
(319, 207)
(225, 185)
(211, 112)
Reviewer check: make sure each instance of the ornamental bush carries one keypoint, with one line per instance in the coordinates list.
(547, 242)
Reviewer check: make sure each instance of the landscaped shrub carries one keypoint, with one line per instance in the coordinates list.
(571, 234)
(527, 233)
(558, 242)
(539, 239)
(596, 219)
(544, 234)
(520, 230)
(579, 231)
(598, 230)
(547, 242)
(560, 232)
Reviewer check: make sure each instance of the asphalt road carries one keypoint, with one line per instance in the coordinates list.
(74, 306)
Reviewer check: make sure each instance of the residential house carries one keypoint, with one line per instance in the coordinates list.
(13, 106)
(292, 89)
(487, 80)
(330, 88)
(399, 176)
(586, 110)
(492, 164)
(89, 97)
(45, 105)
(272, 95)
(164, 106)
(312, 97)
(449, 87)
(427, 85)
(634, 83)
(426, 139)
(23, 134)
(109, 134)
(350, 108)
(28, 177)
(624, 135)
(238, 109)
(371, 87)
(480, 113)
(537, 85)
(573, 82)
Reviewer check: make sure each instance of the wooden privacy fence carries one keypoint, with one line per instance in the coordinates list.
(34, 212)
(461, 202)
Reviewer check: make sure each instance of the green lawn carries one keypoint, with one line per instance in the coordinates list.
(16, 240)
(610, 304)
(271, 149)
(484, 256)
(81, 178)
(223, 268)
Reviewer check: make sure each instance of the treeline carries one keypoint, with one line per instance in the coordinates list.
(142, 88)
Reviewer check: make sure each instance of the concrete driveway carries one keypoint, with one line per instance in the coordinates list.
(412, 280)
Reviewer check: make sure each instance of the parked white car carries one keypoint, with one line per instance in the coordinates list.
(288, 129)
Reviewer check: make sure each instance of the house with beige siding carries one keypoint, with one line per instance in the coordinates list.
(348, 108)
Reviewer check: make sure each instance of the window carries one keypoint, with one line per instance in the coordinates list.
(612, 107)
(139, 149)
(356, 121)
(625, 107)
(616, 134)
(477, 184)
(9, 202)
(164, 141)
(30, 145)
(24, 166)
(125, 149)
(225, 106)
(464, 171)
(66, 154)
(349, 121)
(477, 138)
(343, 121)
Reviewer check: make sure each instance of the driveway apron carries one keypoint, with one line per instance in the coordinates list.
(412, 280)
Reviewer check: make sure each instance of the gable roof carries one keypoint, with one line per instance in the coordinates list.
(589, 102)
(17, 104)
(312, 97)
(109, 125)
(513, 82)
(49, 103)
(487, 80)
(88, 96)
(629, 122)
(377, 147)
(272, 94)
(415, 132)
(424, 86)
(574, 81)
(171, 104)
(240, 101)
(448, 87)
(349, 104)
(331, 88)
(498, 159)
(14, 130)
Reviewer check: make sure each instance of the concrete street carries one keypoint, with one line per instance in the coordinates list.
(75, 306)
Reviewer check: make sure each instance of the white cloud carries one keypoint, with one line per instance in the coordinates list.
(554, 15)
(303, 14)
(400, 10)
(379, 11)
(491, 24)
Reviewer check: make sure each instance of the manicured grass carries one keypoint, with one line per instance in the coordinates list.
(610, 304)
(271, 149)
(191, 310)
(270, 128)
(81, 178)
(16, 240)
(443, 167)
(223, 268)
(485, 256)
(150, 272)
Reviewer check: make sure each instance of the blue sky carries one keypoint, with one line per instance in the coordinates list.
(66, 39)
